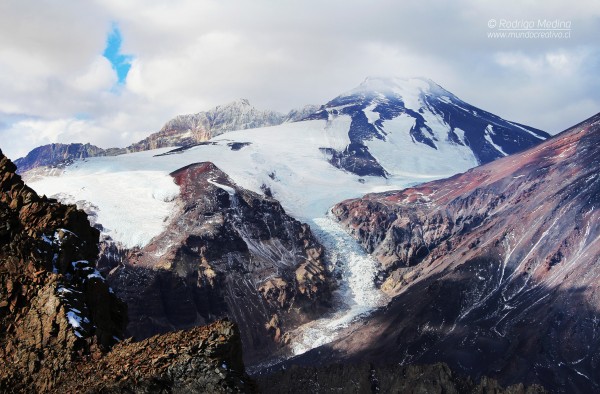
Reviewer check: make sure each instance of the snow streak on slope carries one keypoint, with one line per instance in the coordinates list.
(409, 159)
(489, 132)
(357, 295)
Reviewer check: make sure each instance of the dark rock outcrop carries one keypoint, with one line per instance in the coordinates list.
(54, 306)
(369, 378)
(202, 360)
(228, 252)
(58, 155)
(495, 270)
(356, 159)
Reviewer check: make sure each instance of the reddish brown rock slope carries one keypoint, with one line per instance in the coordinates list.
(495, 270)
(54, 307)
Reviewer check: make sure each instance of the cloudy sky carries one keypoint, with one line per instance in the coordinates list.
(110, 72)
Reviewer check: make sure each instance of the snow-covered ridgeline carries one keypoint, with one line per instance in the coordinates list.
(133, 189)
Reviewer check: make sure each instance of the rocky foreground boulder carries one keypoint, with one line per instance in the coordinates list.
(205, 359)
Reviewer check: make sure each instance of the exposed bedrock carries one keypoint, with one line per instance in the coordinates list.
(230, 253)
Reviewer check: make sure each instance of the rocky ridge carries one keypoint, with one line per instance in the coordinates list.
(202, 126)
(183, 130)
(54, 306)
(56, 156)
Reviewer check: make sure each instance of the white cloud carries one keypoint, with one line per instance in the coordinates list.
(554, 63)
(45, 132)
(191, 55)
(98, 77)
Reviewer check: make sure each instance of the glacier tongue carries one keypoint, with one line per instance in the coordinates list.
(357, 295)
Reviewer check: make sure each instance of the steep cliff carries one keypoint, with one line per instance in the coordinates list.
(54, 306)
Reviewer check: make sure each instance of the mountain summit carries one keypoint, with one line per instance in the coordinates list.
(202, 126)
(423, 122)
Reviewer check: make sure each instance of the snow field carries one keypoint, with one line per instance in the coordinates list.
(135, 194)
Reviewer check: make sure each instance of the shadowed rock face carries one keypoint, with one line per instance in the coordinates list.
(54, 306)
(495, 270)
(53, 155)
(202, 360)
(228, 252)
(368, 378)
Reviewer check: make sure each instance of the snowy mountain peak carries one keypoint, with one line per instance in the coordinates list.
(417, 113)
(410, 93)
(385, 84)
(238, 104)
(393, 86)
(244, 101)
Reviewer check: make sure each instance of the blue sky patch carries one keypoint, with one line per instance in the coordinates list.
(120, 63)
(82, 116)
